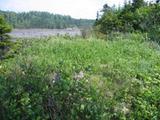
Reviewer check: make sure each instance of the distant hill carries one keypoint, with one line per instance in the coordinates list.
(35, 19)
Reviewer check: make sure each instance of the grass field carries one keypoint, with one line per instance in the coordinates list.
(68, 78)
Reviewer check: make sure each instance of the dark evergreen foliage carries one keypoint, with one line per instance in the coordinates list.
(36, 19)
(4, 43)
(137, 16)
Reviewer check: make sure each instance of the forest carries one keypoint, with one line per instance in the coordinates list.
(136, 16)
(35, 19)
(111, 72)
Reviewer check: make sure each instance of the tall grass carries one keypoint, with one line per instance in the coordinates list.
(72, 79)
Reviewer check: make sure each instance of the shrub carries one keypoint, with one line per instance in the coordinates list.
(29, 94)
(4, 43)
(154, 34)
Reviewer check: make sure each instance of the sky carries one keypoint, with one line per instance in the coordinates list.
(75, 8)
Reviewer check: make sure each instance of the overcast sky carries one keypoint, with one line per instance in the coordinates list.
(74, 8)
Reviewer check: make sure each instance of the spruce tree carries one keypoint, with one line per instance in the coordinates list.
(4, 37)
(137, 4)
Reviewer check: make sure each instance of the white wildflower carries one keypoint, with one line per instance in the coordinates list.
(79, 75)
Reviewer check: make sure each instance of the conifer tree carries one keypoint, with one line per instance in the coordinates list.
(4, 37)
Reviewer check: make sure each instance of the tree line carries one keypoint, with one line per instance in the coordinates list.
(35, 19)
(135, 16)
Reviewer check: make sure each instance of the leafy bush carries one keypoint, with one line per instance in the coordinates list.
(154, 34)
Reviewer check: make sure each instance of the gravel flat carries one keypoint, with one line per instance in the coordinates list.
(34, 33)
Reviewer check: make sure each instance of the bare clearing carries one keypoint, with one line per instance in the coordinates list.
(34, 33)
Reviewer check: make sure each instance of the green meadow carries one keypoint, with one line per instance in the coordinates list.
(71, 78)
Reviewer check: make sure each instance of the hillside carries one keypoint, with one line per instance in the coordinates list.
(35, 19)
